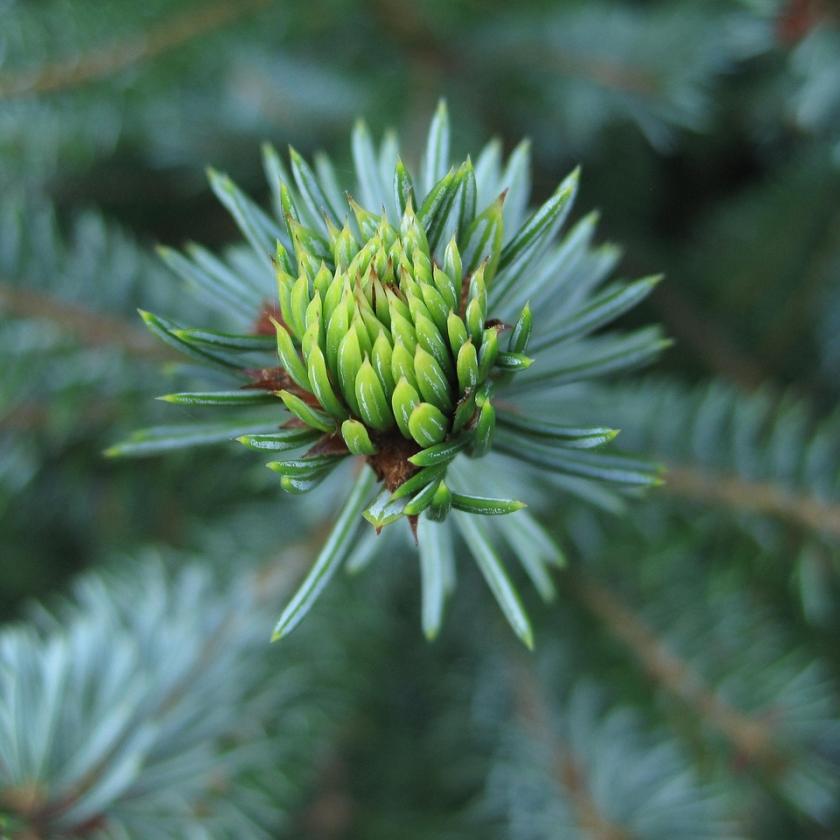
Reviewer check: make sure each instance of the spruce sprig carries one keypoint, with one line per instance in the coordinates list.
(402, 332)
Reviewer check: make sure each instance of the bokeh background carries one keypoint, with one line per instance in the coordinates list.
(709, 136)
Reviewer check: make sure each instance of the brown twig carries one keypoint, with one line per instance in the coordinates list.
(107, 59)
(754, 497)
(752, 739)
(532, 711)
(92, 329)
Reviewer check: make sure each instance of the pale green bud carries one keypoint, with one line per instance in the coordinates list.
(436, 306)
(403, 330)
(478, 288)
(416, 306)
(357, 438)
(457, 332)
(322, 281)
(368, 222)
(334, 295)
(431, 380)
(297, 306)
(467, 367)
(422, 266)
(310, 340)
(427, 424)
(446, 288)
(306, 413)
(289, 357)
(453, 267)
(373, 407)
(321, 386)
(344, 249)
(488, 352)
(380, 302)
(397, 305)
(382, 358)
(402, 364)
(358, 324)
(475, 320)
(313, 314)
(403, 401)
(431, 340)
(337, 328)
(349, 363)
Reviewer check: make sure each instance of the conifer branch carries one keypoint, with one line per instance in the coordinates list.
(108, 59)
(217, 628)
(465, 362)
(390, 337)
(36, 414)
(764, 497)
(93, 329)
(608, 74)
(764, 453)
(533, 712)
(752, 739)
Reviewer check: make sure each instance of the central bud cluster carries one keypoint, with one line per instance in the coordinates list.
(387, 352)
(385, 340)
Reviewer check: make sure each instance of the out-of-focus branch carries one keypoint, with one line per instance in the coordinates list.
(532, 711)
(107, 59)
(752, 739)
(271, 580)
(606, 73)
(29, 416)
(92, 329)
(754, 497)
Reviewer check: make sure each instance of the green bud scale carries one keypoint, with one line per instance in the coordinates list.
(401, 326)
